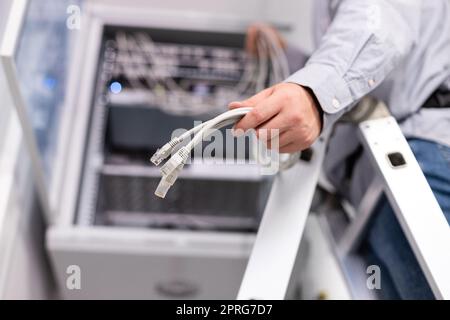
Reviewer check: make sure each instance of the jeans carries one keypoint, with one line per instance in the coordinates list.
(401, 276)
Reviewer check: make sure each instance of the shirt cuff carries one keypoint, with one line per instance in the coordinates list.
(331, 90)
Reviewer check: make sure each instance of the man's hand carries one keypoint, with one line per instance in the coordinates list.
(288, 107)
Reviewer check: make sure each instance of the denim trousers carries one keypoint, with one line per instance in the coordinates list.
(401, 276)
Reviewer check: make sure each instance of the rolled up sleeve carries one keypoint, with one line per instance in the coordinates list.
(366, 40)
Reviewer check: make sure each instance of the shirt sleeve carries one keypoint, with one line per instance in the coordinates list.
(366, 40)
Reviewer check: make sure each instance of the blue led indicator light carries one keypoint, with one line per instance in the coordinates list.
(115, 87)
(50, 82)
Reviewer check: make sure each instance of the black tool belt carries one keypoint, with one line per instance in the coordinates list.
(439, 99)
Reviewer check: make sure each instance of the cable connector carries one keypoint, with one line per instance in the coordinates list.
(163, 188)
(178, 160)
(167, 182)
(165, 151)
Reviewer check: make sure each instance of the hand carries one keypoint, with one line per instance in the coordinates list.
(253, 34)
(288, 107)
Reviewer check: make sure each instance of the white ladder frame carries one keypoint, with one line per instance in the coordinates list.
(272, 259)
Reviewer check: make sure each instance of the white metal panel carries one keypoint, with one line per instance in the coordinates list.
(5, 6)
(7, 55)
(130, 263)
(23, 272)
(5, 110)
(5, 107)
(8, 209)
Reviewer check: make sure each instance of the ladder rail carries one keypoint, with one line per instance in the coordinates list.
(411, 198)
(278, 239)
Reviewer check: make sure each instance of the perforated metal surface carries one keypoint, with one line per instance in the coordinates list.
(211, 204)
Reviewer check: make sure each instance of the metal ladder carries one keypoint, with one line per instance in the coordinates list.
(398, 174)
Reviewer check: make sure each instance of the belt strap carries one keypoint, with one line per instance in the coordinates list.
(439, 99)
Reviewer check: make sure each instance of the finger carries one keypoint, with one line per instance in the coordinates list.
(261, 113)
(269, 136)
(253, 100)
(290, 148)
(280, 122)
(283, 139)
(236, 105)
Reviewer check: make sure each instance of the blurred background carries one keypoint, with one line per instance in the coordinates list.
(101, 85)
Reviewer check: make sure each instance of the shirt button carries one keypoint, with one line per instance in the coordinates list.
(336, 103)
(371, 83)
